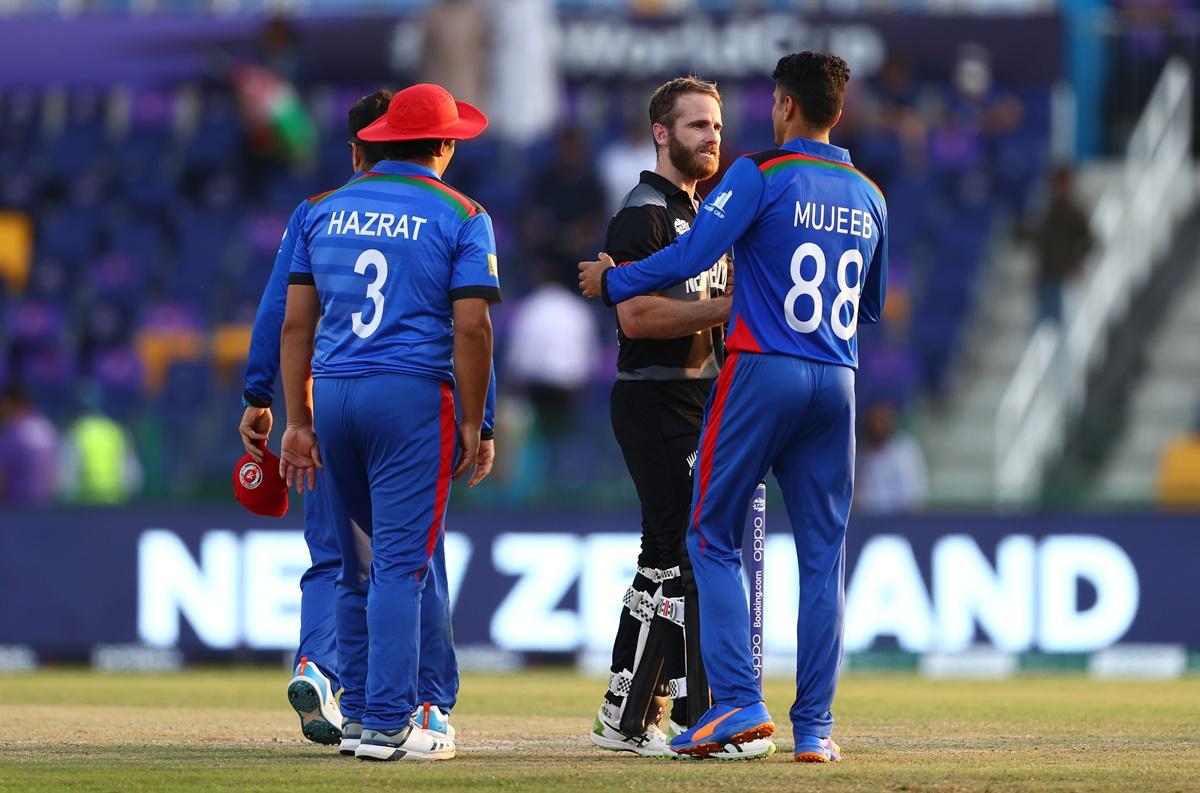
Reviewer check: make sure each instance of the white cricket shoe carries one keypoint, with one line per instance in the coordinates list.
(751, 750)
(351, 737)
(432, 718)
(311, 695)
(407, 743)
(607, 735)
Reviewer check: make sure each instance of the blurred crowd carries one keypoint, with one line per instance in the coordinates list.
(138, 226)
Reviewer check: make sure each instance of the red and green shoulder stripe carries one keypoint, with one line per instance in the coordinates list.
(773, 161)
(461, 204)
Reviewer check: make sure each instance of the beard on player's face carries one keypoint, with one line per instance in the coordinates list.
(691, 161)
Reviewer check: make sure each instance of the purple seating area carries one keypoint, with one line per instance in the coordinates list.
(953, 175)
(154, 225)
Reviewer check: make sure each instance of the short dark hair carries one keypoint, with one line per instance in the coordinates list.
(662, 102)
(365, 111)
(411, 150)
(817, 83)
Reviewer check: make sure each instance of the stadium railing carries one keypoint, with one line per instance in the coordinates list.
(1133, 223)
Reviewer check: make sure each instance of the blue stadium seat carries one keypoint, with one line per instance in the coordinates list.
(218, 137)
(50, 374)
(140, 240)
(20, 119)
(35, 324)
(117, 370)
(188, 384)
(68, 234)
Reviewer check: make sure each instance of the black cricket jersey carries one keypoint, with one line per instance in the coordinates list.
(652, 215)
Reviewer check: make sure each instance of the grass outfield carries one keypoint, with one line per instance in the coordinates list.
(219, 730)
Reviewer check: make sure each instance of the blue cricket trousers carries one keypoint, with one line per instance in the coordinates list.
(388, 443)
(318, 636)
(438, 678)
(794, 417)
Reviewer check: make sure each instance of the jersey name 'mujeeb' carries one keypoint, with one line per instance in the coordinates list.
(809, 236)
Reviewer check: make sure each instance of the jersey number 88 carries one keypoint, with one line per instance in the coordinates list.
(811, 288)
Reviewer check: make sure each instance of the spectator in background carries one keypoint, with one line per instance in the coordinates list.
(551, 349)
(622, 161)
(976, 102)
(277, 123)
(566, 213)
(890, 474)
(1179, 470)
(1145, 35)
(966, 142)
(279, 50)
(525, 89)
(454, 49)
(100, 463)
(29, 451)
(1062, 238)
(899, 105)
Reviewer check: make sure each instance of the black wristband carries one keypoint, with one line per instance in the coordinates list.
(250, 400)
(604, 287)
(487, 435)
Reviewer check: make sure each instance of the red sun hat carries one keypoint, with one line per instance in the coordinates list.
(425, 110)
(258, 486)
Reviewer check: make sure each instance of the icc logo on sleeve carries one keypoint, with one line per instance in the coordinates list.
(250, 476)
(717, 205)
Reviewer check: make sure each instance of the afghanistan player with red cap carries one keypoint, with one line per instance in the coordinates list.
(400, 269)
(312, 690)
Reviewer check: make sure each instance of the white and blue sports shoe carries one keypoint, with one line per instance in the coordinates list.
(407, 743)
(351, 737)
(434, 719)
(311, 696)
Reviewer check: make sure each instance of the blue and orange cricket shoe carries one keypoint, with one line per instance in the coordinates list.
(724, 724)
(811, 749)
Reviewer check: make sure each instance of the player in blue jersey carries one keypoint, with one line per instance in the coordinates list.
(311, 691)
(808, 233)
(400, 270)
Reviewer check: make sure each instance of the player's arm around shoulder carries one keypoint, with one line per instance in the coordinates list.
(729, 211)
(638, 231)
(658, 317)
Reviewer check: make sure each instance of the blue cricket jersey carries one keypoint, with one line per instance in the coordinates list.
(809, 238)
(262, 363)
(389, 252)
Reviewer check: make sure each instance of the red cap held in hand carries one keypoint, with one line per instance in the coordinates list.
(259, 487)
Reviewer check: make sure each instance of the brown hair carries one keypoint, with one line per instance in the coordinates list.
(662, 102)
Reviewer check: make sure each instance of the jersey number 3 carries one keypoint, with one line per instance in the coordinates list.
(368, 258)
(811, 288)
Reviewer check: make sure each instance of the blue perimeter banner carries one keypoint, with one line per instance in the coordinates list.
(212, 581)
